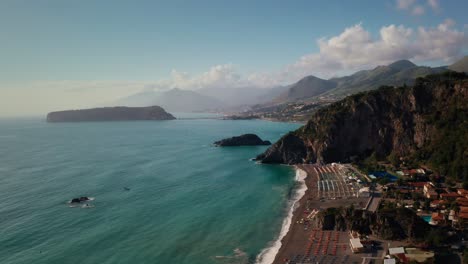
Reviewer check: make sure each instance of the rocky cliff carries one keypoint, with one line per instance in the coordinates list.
(402, 121)
(110, 114)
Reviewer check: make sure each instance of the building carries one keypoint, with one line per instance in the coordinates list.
(429, 191)
(356, 245)
(437, 218)
(396, 251)
(364, 192)
(389, 261)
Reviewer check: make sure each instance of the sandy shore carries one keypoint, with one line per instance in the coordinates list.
(296, 240)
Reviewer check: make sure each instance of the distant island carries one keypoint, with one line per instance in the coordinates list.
(119, 113)
(243, 140)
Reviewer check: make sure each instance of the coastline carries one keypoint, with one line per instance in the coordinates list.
(269, 254)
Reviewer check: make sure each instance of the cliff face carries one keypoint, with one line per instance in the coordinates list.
(110, 114)
(389, 120)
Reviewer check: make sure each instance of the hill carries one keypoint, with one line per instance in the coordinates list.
(426, 122)
(110, 114)
(307, 87)
(460, 66)
(395, 74)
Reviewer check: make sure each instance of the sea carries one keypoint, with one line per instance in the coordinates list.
(162, 192)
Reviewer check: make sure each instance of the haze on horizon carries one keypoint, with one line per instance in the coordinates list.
(62, 55)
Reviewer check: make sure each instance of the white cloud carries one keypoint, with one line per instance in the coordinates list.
(418, 10)
(405, 4)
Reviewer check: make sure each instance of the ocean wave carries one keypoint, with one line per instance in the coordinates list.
(267, 256)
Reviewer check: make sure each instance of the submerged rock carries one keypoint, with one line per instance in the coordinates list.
(243, 140)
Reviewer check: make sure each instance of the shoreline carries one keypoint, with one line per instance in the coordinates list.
(269, 254)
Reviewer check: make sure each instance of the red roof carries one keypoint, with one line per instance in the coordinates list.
(417, 184)
(450, 195)
(463, 209)
(463, 215)
(437, 216)
(436, 202)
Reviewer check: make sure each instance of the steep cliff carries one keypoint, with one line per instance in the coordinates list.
(110, 114)
(418, 121)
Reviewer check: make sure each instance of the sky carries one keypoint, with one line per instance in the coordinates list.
(73, 54)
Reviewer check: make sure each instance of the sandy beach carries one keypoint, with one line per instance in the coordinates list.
(299, 240)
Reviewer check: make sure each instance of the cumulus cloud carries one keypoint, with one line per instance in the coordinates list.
(353, 49)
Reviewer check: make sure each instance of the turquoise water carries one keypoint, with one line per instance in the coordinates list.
(188, 202)
(427, 218)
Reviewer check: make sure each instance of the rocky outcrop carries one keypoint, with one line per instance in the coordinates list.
(79, 200)
(243, 140)
(402, 121)
(110, 114)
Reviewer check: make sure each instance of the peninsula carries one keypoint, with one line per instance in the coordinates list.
(119, 113)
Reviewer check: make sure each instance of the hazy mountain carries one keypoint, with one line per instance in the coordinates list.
(395, 74)
(306, 87)
(174, 100)
(460, 66)
(235, 96)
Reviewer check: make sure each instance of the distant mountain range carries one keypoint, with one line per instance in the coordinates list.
(308, 89)
(174, 100)
(396, 74)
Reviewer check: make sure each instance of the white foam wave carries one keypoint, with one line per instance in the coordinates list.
(267, 256)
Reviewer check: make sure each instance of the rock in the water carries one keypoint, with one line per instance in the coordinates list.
(75, 200)
(110, 114)
(81, 199)
(244, 140)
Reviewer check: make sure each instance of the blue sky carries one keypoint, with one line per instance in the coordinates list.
(149, 42)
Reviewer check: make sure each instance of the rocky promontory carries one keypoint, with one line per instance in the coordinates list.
(243, 140)
(119, 113)
(426, 121)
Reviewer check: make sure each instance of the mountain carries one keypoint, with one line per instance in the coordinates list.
(305, 88)
(174, 100)
(395, 74)
(237, 96)
(460, 66)
(110, 114)
(426, 123)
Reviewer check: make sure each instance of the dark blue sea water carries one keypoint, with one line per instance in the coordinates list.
(189, 202)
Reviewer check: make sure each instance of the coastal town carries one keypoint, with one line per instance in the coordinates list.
(345, 217)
